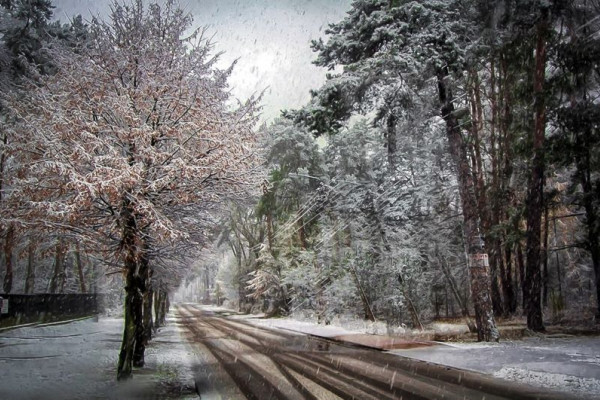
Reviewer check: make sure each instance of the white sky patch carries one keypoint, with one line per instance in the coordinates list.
(271, 40)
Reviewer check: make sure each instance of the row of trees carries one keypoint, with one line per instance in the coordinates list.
(444, 127)
(119, 141)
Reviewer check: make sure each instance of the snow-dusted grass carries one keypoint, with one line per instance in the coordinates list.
(346, 325)
(338, 325)
(305, 327)
(448, 328)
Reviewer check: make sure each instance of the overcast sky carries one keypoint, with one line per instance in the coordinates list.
(270, 37)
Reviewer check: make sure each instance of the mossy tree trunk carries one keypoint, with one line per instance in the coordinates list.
(133, 297)
(143, 310)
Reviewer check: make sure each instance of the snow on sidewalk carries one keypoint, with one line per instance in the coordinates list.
(77, 360)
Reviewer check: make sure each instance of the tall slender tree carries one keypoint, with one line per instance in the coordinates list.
(535, 207)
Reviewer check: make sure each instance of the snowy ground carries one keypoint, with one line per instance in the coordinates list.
(77, 360)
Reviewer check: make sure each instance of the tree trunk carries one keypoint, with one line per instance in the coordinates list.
(414, 315)
(9, 234)
(591, 221)
(133, 298)
(497, 298)
(30, 274)
(142, 282)
(156, 309)
(79, 263)
(321, 306)
(559, 272)
(487, 216)
(57, 283)
(478, 265)
(533, 279)
(544, 255)
(392, 142)
(302, 231)
(521, 268)
(9, 240)
(269, 217)
(132, 304)
(380, 244)
(161, 307)
(206, 299)
(167, 306)
(584, 159)
(510, 299)
(503, 117)
(363, 297)
(595, 252)
(148, 303)
(140, 342)
(2, 165)
(501, 273)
